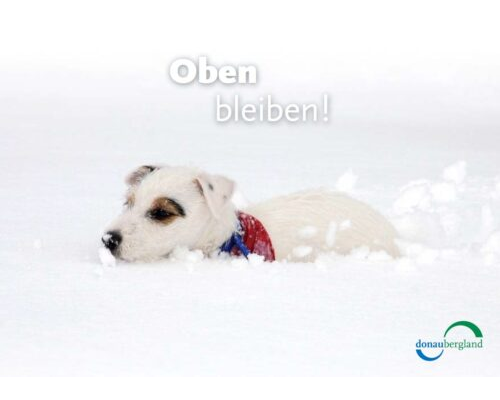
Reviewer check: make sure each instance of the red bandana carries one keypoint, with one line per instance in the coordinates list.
(252, 237)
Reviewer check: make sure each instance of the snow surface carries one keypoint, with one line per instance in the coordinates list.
(65, 149)
(107, 259)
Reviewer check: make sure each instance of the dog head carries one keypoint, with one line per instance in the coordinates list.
(167, 207)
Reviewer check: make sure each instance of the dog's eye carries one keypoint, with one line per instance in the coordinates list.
(159, 214)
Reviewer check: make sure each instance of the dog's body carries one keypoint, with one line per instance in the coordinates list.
(179, 206)
(304, 224)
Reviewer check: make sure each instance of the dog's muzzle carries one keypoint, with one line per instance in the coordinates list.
(112, 240)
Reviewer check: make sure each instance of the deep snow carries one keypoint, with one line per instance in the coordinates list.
(65, 149)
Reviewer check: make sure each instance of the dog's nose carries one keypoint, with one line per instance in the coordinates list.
(112, 240)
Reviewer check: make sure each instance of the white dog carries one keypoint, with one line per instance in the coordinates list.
(168, 207)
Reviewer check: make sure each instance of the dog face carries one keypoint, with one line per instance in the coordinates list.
(166, 207)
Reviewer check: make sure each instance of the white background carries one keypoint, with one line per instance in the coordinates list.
(85, 97)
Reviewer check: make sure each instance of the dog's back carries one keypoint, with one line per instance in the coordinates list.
(304, 224)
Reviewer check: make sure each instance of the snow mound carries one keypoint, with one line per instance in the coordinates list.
(456, 172)
(183, 254)
(347, 182)
(491, 249)
(456, 212)
(107, 259)
(302, 251)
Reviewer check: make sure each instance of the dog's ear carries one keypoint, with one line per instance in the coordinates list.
(217, 191)
(138, 174)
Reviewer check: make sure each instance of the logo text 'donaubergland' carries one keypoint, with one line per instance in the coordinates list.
(475, 343)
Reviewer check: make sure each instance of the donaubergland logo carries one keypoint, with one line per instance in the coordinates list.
(475, 343)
